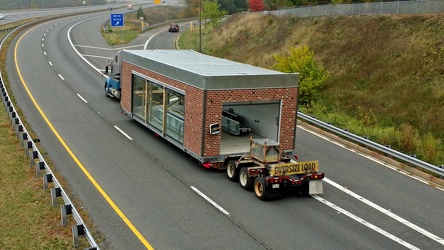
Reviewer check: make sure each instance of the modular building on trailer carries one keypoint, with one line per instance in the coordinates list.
(207, 106)
(223, 113)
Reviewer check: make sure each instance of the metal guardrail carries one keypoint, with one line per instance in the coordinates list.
(36, 159)
(373, 145)
(8, 29)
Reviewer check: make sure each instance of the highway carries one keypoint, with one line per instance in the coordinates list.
(141, 192)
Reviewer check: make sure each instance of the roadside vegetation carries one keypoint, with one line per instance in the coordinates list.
(376, 76)
(27, 218)
(385, 77)
(133, 24)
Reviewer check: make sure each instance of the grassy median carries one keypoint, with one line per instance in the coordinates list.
(27, 218)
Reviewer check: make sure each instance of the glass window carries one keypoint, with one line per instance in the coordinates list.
(155, 104)
(139, 97)
(175, 115)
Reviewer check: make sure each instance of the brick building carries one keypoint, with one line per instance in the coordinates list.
(182, 95)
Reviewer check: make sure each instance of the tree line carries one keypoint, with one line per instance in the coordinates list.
(39, 4)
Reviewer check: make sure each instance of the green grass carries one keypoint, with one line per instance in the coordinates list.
(27, 218)
(386, 79)
(132, 28)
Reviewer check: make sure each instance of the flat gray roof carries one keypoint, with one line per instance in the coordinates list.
(208, 72)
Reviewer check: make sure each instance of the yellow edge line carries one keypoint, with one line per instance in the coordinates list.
(93, 181)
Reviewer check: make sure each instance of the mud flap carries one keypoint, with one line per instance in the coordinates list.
(315, 187)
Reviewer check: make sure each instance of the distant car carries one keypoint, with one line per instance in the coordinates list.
(174, 28)
(2, 17)
(130, 7)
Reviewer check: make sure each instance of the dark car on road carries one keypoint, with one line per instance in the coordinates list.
(173, 28)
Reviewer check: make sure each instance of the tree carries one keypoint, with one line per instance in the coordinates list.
(227, 5)
(312, 76)
(240, 5)
(210, 10)
(256, 5)
(140, 13)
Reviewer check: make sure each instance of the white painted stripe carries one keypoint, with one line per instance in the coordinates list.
(83, 99)
(103, 57)
(43, 45)
(43, 39)
(100, 48)
(61, 77)
(151, 37)
(365, 223)
(123, 133)
(386, 212)
(50, 63)
(44, 52)
(210, 200)
(365, 156)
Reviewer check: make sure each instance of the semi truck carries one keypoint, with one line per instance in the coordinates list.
(227, 115)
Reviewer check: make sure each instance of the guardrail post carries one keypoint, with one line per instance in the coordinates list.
(23, 138)
(34, 155)
(28, 147)
(5, 98)
(65, 210)
(12, 115)
(40, 165)
(7, 104)
(76, 231)
(18, 129)
(55, 192)
(47, 178)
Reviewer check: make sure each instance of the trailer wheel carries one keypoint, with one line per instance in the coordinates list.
(245, 181)
(232, 172)
(259, 188)
(305, 189)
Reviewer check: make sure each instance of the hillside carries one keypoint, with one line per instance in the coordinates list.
(386, 74)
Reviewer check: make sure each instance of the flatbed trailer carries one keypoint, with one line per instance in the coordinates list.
(186, 97)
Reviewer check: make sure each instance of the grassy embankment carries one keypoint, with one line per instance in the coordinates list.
(385, 72)
(386, 79)
(132, 28)
(27, 218)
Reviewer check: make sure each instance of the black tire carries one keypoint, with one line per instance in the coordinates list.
(261, 192)
(259, 188)
(245, 181)
(305, 189)
(232, 172)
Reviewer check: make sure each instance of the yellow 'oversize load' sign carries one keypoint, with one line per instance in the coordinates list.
(294, 168)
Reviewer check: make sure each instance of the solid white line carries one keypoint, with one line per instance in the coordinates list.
(210, 200)
(123, 133)
(386, 212)
(61, 77)
(83, 99)
(103, 57)
(365, 223)
(50, 63)
(363, 155)
(151, 37)
(120, 48)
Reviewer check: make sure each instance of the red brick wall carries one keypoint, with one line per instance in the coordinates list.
(194, 109)
(216, 99)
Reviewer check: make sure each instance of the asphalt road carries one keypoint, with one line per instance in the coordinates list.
(365, 205)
